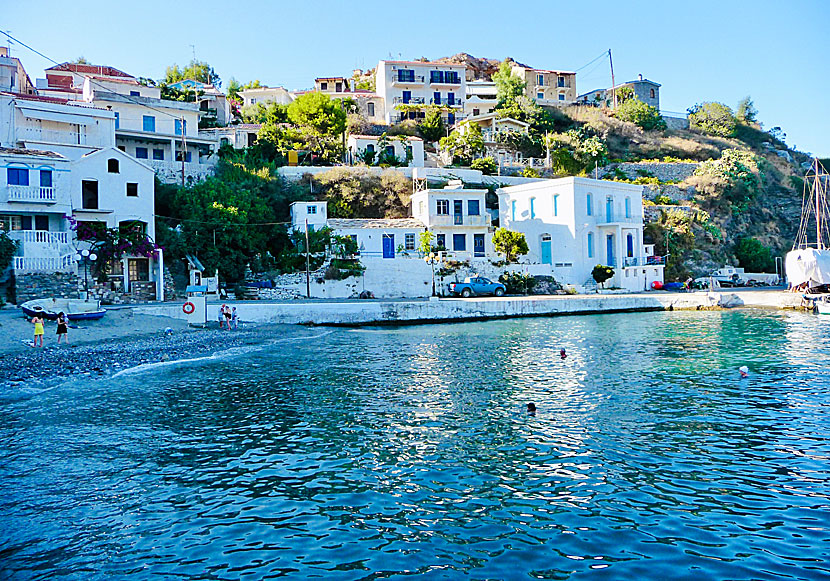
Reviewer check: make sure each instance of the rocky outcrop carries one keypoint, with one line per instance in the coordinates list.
(478, 69)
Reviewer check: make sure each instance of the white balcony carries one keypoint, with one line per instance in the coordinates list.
(40, 237)
(52, 136)
(407, 80)
(412, 101)
(64, 263)
(459, 220)
(32, 194)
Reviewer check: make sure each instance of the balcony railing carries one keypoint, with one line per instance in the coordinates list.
(453, 103)
(33, 194)
(645, 260)
(53, 136)
(445, 80)
(408, 80)
(44, 264)
(459, 220)
(411, 101)
(40, 237)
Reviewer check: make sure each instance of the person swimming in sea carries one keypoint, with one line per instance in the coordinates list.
(562, 354)
(531, 408)
(744, 371)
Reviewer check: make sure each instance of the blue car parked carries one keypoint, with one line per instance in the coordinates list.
(477, 285)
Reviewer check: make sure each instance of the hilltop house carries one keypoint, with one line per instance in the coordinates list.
(12, 74)
(547, 87)
(214, 107)
(573, 224)
(492, 126)
(413, 148)
(370, 105)
(643, 89)
(266, 95)
(410, 88)
(481, 98)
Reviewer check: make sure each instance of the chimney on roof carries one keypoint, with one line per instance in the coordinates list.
(641, 76)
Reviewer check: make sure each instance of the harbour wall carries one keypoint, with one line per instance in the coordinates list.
(374, 312)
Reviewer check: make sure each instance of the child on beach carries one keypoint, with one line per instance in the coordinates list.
(222, 315)
(234, 318)
(226, 310)
(63, 328)
(38, 323)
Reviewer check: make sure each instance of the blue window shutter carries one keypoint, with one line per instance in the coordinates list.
(45, 178)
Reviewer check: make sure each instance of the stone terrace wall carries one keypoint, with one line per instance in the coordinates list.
(37, 285)
(675, 193)
(664, 172)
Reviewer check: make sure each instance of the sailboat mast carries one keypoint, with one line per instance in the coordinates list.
(817, 193)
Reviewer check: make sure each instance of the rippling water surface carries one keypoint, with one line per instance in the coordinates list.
(380, 453)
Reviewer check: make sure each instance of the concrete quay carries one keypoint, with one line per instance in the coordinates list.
(402, 312)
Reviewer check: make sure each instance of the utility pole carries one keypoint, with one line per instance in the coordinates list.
(307, 275)
(184, 147)
(613, 82)
(547, 147)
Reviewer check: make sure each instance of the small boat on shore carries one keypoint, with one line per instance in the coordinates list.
(74, 309)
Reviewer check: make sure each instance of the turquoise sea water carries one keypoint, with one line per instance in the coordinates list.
(383, 453)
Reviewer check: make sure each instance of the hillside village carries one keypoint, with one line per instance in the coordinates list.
(389, 182)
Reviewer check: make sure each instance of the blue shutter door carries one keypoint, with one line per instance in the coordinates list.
(546, 255)
(389, 246)
(459, 242)
(609, 250)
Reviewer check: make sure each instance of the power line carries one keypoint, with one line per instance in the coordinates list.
(91, 80)
(604, 53)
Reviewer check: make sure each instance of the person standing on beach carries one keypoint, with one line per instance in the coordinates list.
(222, 315)
(227, 312)
(234, 318)
(63, 328)
(38, 323)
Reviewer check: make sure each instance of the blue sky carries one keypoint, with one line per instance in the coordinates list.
(699, 51)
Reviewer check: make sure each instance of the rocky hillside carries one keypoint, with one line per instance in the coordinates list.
(478, 69)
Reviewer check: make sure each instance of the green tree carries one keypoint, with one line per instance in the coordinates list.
(747, 113)
(321, 122)
(486, 165)
(425, 240)
(432, 127)
(509, 87)
(602, 273)
(644, 116)
(464, 145)
(8, 247)
(753, 256)
(196, 70)
(80, 61)
(624, 94)
(511, 244)
(713, 118)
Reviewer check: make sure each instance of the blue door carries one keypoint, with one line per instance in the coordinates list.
(459, 242)
(478, 245)
(546, 254)
(609, 250)
(389, 246)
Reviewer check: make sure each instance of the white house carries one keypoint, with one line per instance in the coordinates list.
(214, 107)
(572, 224)
(313, 214)
(410, 88)
(112, 188)
(162, 132)
(643, 89)
(237, 136)
(458, 218)
(492, 126)
(36, 197)
(265, 95)
(412, 147)
(13, 76)
(481, 98)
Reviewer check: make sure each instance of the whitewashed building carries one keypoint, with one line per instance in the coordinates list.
(214, 107)
(36, 198)
(265, 95)
(238, 136)
(412, 147)
(572, 224)
(112, 188)
(409, 88)
(492, 126)
(459, 219)
(481, 98)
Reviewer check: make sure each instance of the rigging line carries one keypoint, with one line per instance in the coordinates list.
(92, 81)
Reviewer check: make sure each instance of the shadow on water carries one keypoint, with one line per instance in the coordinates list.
(374, 453)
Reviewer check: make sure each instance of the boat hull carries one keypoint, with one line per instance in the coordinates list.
(74, 309)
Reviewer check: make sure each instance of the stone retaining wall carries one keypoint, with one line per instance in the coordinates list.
(675, 193)
(37, 285)
(665, 172)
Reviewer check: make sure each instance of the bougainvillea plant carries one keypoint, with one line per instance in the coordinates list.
(111, 244)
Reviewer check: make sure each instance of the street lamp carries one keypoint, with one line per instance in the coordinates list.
(431, 259)
(86, 257)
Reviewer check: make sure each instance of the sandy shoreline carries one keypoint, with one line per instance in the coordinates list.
(119, 341)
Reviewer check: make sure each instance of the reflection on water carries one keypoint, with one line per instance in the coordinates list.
(376, 453)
